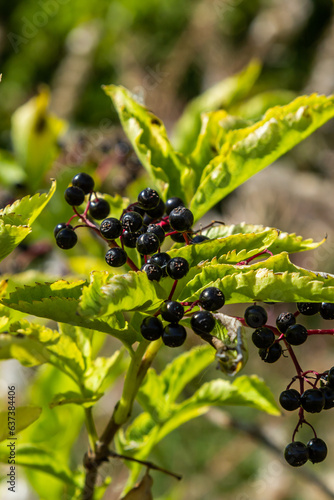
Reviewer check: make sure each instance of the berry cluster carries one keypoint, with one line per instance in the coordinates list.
(173, 334)
(269, 340)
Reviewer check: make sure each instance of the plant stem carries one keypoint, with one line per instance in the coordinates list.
(91, 430)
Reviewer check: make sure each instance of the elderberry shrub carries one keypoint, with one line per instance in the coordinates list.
(308, 308)
(202, 322)
(181, 219)
(158, 231)
(111, 228)
(199, 238)
(148, 199)
(328, 393)
(66, 238)
(263, 337)
(161, 259)
(151, 328)
(60, 226)
(132, 222)
(272, 354)
(156, 212)
(317, 450)
(74, 196)
(147, 243)
(153, 271)
(255, 316)
(116, 257)
(327, 310)
(130, 239)
(296, 334)
(172, 203)
(312, 400)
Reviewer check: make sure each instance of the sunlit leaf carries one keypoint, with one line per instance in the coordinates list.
(21, 417)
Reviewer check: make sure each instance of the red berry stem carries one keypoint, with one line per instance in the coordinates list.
(186, 238)
(247, 261)
(320, 332)
(173, 290)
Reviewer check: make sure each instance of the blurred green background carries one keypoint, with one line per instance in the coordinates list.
(167, 52)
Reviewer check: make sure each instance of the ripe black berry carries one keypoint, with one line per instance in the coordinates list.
(330, 377)
(99, 208)
(60, 226)
(132, 222)
(161, 258)
(111, 228)
(296, 334)
(130, 239)
(147, 243)
(172, 311)
(172, 203)
(181, 219)
(272, 354)
(296, 454)
(202, 322)
(263, 337)
(148, 199)
(74, 196)
(156, 212)
(116, 257)
(84, 182)
(290, 399)
(158, 231)
(66, 238)
(174, 335)
(151, 328)
(177, 268)
(211, 299)
(317, 449)
(327, 310)
(177, 237)
(328, 392)
(199, 238)
(153, 271)
(312, 400)
(308, 308)
(284, 320)
(255, 316)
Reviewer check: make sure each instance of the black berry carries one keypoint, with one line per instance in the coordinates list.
(116, 257)
(60, 226)
(111, 228)
(172, 311)
(99, 208)
(308, 308)
(199, 238)
(284, 320)
(158, 231)
(132, 222)
(211, 299)
(74, 196)
(156, 212)
(161, 258)
(202, 322)
(151, 328)
(66, 238)
(255, 316)
(181, 219)
(312, 400)
(328, 393)
(330, 377)
(327, 310)
(296, 454)
(84, 182)
(177, 268)
(263, 337)
(317, 449)
(147, 243)
(174, 335)
(130, 239)
(172, 203)
(296, 334)
(290, 399)
(177, 237)
(153, 271)
(272, 354)
(148, 199)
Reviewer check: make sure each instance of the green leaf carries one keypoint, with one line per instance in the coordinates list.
(10, 172)
(234, 248)
(27, 208)
(34, 136)
(221, 95)
(247, 151)
(254, 107)
(103, 372)
(275, 279)
(41, 459)
(285, 242)
(59, 301)
(23, 417)
(11, 237)
(72, 397)
(107, 295)
(169, 169)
